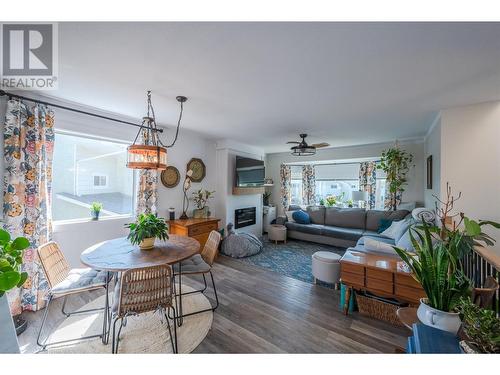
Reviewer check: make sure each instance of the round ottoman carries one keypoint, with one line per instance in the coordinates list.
(277, 233)
(326, 267)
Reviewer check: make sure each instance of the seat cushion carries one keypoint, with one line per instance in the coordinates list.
(195, 264)
(305, 228)
(327, 256)
(373, 217)
(350, 234)
(80, 279)
(317, 214)
(345, 217)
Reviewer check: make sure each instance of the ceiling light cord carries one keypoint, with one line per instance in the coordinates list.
(177, 130)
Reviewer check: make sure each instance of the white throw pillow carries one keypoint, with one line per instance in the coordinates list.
(289, 215)
(396, 229)
(379, 246)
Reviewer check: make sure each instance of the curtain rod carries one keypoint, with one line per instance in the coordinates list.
(10, 95)
(317, 165)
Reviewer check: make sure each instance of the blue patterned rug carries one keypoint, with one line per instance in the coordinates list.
(292, 259)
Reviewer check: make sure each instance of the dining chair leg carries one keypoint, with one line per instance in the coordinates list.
(180, 320)
(173, 338)
(105, 318)
(215, 292)
(116, 336)
(45, 313)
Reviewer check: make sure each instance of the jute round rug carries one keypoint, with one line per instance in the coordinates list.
(146, 333)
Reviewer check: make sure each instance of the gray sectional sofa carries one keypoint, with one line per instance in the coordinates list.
(341, 227)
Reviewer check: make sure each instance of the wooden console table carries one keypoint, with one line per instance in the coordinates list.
(378, 274)
(198, 229)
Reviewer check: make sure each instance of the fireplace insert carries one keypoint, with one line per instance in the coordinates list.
(244, 217)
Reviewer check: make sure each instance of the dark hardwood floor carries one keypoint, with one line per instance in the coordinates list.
(264, 312)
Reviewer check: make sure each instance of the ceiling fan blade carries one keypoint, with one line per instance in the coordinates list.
(293, 142)
(320, 145)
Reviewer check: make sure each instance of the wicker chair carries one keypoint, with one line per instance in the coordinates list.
(64, 282)
(200, 264)
(142, 290)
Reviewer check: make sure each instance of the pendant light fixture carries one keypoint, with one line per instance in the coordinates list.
(151, 153)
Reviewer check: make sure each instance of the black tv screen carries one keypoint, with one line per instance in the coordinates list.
(249, 172)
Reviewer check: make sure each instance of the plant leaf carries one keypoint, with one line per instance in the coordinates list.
(20, 243)
(9, 280)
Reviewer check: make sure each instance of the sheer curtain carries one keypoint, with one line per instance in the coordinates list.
(285, 184)
(308, 184)
(368, 181)
(28, 149)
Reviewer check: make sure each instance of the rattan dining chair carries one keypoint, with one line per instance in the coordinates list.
(201, 264)
(64, 282)
(142, 290)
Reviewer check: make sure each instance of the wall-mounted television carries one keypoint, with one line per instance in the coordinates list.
(249, 172)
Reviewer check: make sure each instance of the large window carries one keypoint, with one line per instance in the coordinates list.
(86, 170)
(296, 182)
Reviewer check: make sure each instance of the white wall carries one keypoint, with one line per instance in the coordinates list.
(414, 190)
(470, 160)
(228, 203)
(75, 237)
(432, 146)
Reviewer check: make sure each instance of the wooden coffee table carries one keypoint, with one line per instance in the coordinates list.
(378, 274)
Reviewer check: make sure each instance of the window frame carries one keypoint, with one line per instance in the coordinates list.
(58, 223)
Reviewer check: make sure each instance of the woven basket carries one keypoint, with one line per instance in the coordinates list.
(377, 309)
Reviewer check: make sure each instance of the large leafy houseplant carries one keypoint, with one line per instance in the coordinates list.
(11, 259)
(145, 229)
(396, 164)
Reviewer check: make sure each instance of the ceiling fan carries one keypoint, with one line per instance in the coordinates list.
(303, 149)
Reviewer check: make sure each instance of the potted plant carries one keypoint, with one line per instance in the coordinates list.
(265, 198)
(480, 328)
(396, 164)
(201, 198)
(146, 229)
(436, 263)
(95, 210)
(11, 259)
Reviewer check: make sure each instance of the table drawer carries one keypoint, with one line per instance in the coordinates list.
(379, 285)
(407, 280)
(353, 278)
(379, 274)
(352, 268)
(408, 293)
(203, 228)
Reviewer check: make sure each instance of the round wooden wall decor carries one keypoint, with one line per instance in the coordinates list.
(170, 177)
(198, 168)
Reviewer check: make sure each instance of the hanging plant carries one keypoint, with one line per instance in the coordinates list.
(395, 163)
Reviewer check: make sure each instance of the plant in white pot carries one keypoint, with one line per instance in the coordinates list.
(437, 263)
(146, 229)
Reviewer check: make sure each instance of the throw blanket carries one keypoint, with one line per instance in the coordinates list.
(422, 213)
(240, 245)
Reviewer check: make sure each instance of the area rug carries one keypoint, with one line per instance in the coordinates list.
(292, 259)
(146, 333)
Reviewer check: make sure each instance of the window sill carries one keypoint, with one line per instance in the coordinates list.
(64, 223)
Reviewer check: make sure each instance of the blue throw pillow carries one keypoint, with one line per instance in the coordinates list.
(301, 217)
(383, 224)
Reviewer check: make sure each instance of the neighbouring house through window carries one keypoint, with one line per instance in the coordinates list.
(87, 170)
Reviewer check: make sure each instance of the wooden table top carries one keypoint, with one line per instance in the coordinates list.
(119, 254)
(377, 261)
(192, 221)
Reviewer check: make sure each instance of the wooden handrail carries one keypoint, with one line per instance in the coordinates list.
(490, 254)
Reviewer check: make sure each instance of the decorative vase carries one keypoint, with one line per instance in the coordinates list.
(147, 243)
(95, 215)
(445, 321)
(201, 213)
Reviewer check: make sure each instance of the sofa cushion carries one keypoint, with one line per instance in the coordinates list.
(305, 228)
(345, 217)
(350, 234)
(373, 217)
(361, 241)
(317, 214)
(301, 217)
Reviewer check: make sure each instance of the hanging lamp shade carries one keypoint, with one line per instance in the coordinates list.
(146, 157)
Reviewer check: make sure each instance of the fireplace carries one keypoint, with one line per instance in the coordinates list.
(244, 217)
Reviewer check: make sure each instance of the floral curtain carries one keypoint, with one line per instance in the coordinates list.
(308, 184)
(367, 181)
(147, 192)
(285, 182)
(28, 148)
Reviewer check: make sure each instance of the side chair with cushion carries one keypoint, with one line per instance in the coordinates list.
(143, 290)
(201, 264)
(64, 282)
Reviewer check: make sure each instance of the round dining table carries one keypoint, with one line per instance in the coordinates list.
(119, 255)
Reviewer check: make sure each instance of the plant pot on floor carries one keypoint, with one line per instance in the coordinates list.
(8, 338)
(445, 321)
(147, 243)
(201, 213)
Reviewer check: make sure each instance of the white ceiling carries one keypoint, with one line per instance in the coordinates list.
(263, 83)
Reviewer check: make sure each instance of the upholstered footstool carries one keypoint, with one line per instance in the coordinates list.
(326, 267)
(277, 233)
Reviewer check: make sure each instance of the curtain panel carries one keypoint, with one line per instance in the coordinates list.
(147, 192)
(28, 149)
(368, 181)
(285, 183)
(308, 185)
